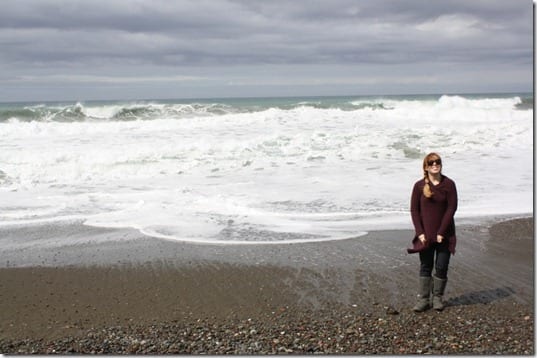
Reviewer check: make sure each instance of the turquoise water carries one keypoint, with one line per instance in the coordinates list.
(145, 109)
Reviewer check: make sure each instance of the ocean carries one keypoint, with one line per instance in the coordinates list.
(260, 170)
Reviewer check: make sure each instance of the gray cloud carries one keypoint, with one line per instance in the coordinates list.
(208, 45)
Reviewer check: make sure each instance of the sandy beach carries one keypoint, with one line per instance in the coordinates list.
(120, 292)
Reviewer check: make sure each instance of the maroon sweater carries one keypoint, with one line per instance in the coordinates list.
(434, 216)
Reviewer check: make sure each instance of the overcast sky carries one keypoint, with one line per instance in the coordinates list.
(147, 49)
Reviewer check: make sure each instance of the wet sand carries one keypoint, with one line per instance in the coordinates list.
(73, 298)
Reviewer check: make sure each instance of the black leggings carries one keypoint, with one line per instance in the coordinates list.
(427, 260)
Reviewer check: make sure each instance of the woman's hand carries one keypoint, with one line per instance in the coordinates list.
(422, 238)
(439, 238)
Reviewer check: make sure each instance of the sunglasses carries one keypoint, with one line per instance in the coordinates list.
(434, 162)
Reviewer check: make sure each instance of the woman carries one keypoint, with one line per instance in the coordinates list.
(432, 207)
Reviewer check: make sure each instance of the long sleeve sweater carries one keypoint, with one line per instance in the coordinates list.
(434, 216)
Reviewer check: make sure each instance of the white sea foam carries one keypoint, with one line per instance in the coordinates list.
(218, 173)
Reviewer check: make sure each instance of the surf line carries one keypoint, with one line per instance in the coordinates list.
(242, 242)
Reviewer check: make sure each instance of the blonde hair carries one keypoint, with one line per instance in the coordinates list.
(427, 187)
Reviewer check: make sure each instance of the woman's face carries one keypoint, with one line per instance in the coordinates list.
(434, 166)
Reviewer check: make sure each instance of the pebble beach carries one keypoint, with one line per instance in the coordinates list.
(136, 295)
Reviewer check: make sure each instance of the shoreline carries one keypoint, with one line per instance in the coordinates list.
(73, 243)
(128, 287)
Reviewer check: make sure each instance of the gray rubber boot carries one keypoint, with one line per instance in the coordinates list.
(439, 286)
(424, 292)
